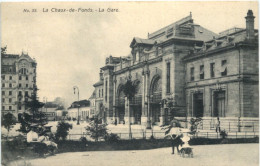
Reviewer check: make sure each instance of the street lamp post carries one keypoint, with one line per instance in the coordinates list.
(74, 88)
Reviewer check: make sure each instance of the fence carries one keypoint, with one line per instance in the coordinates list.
(161, 135)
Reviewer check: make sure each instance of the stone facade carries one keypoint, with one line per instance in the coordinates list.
(18, 77)
(222, 80)
(183, 70)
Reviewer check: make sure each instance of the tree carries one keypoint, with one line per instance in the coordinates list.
(62, 130)
(129, 89)
(36, 118)
(8, 120)
(3, 50)
(96, 130)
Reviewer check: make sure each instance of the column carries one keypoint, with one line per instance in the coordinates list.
(144, 111)
(127, 111)
(148, 125)
(162, 118)
(114, 101)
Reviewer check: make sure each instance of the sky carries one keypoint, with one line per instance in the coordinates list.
(71, 47)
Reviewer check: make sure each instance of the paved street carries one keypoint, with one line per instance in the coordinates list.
(204, 155)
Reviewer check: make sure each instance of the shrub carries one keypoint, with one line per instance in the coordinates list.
(111, 138)
(62, 130)
(223, 134)
(83, 139)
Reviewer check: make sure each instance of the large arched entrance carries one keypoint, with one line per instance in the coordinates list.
(121, 105)
(155, 99)
(136, 103)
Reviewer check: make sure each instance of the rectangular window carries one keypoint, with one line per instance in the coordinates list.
(3, 93)
(10, 107)
(10, 77)
(19, 107)
(3, 85)
(168, 81)
(10, 93)
(10, 85)
(3, 107)
(10, 100)
(20, 77)
(212, 70)
(20, 85)
(26, 85)
(224, 68)
(201, 72)
(26, 93)
(3, 77)
(192, 73)
(3, 100)
(26, 77)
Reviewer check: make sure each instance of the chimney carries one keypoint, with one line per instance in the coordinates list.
(250, 31)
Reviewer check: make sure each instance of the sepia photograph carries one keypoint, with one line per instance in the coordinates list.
(137, 83)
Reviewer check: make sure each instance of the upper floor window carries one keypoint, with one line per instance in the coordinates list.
(10, 93)
(23, 71)
(10, 77)
(3, 77)
(224, 68)
(201, 72)
(212, 70)
(10, 107)
(3, 107)
(192, 73)
(168, 81)
(3, 93)
(3, 100)
(26, 85)
(10, 85)
(26, 77)
(3, 85)
(10, 100)
(20, 77)
(20, 85)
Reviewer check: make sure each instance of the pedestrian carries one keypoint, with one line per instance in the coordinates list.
(175, 134)
(115, 122)
(218, 125)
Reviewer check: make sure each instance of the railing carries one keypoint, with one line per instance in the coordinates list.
(233, 126)
(161, 135)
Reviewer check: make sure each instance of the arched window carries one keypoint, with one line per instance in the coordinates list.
(23, 71)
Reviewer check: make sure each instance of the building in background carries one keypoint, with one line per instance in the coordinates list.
(99, 93)
(18, 78)
(184, 70)
(82, 107)
(49, 109)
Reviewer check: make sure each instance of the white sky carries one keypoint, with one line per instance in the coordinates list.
(70, 48)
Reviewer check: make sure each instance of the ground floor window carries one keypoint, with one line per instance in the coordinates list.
(198, 105)
(219, 104)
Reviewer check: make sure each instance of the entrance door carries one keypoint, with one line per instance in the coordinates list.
(137, 114)
(156, 113)
(121, 114)
(198, 105)
(219, 104)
